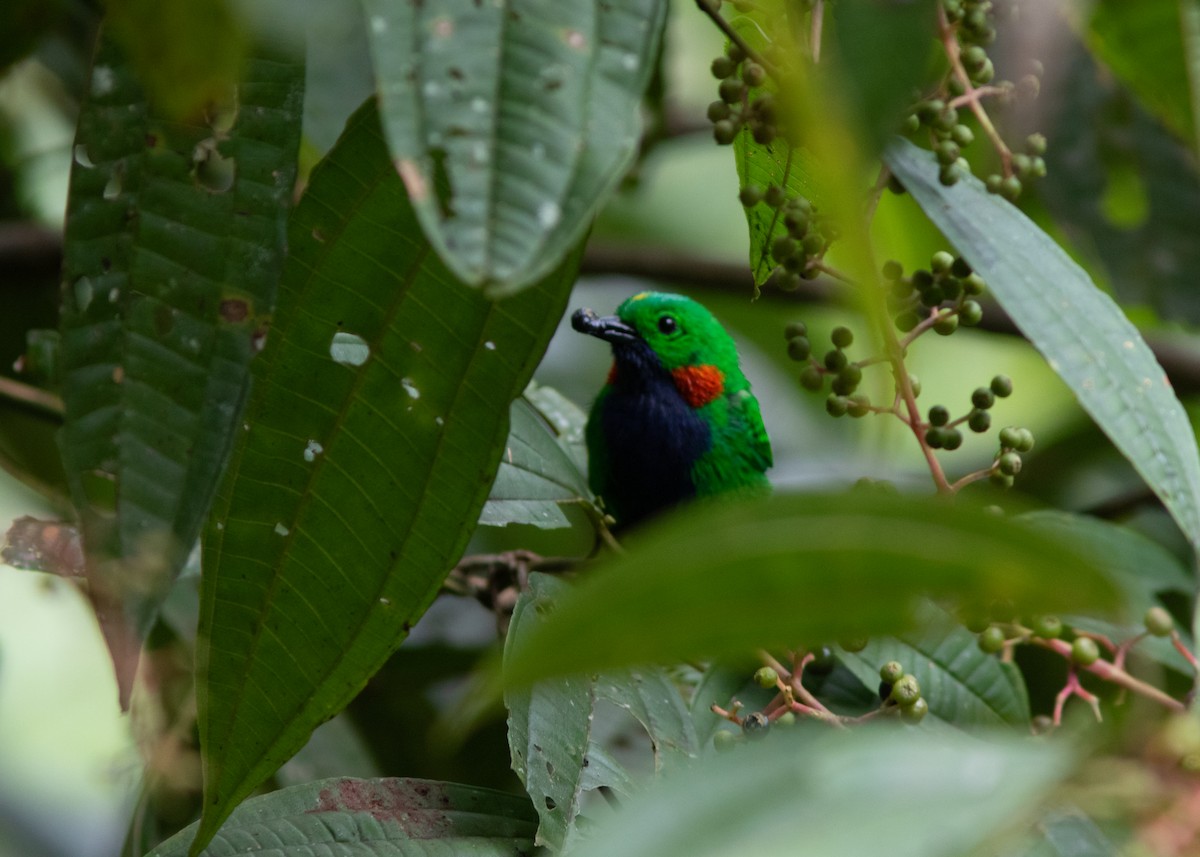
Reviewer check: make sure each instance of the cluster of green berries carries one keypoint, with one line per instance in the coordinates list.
(740, 106)
(902, 690)
(948, 288)
(949, 136)
(943, 432)
(1026, 165)
(805, 237)
(1013, 441)
(844, 373)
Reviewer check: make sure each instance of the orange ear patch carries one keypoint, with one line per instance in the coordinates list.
(699, 385)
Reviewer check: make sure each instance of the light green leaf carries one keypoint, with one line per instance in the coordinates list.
(649, 695)
(837, 794)
(1083, 335)
(549, 727)
(347, 817)
(174, 246)
(791, 570)
(512, 123)
(963, 686)
(536, 475)
(362, 472)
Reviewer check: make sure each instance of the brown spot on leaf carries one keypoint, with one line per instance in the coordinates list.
(409, 804)
(414, 180)
(234, 310)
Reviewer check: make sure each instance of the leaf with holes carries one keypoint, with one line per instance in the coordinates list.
(1083, 335)
(511, 123)
(174, 246)
(395, 817)
(379, 416)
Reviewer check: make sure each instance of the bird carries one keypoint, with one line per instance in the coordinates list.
(676, 419)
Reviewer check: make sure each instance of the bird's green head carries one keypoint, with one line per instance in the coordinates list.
(672, 331)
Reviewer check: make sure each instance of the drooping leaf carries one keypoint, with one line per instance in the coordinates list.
(1080, 331)
(1145, 45)
(174, 246)
(923, 795)
(964, 686)
(511, 124)
(651, 698)
(379, 417)
(549, 727)
(537, 474)
(346, 817)
(794, 570)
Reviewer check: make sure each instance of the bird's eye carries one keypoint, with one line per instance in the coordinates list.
(667, 324)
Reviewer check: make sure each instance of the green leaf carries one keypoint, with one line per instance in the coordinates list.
(549, 727)
(536, 475)
(1145, 45)
(386, 817)
(511, 124)
(1083, 335)
(764, 166)
(378, 421)
(963, 686)
(649, 695)
(836, 793)
(790, 570)
(170, 279)
(1067, 833)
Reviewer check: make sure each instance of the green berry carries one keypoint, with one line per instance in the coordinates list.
(724, 132)
(1159, 622)
(823, 661)
(1002, 386)
(731, 90)
(915, 713)
(837, 406)
(932, 296)
(1009, 437)
(960, 267)
(813, 244)
(884, 691)
(754, 74)
(847, 381)
(1047, 627)
(935, 437)
(811, 378)
(796, 222)
(962, 135)
(906, 321)
(992, 639)
(860, 406)
(951, 174)
(775, 196)
(836, 360)
(794, 329)
(1022, 164)
(906, 690)
(1009, 464)
(1000, 480)
(1037, 168)
(788, 718)
(973, 57)
(947, 152)
(755, 725)
(1084, 651)
(1010, 188)
(842, 337)
(799, 348)
(979, 421)
(1024, 440)
(910, 125)
(734, 51)
(717, 111)
(922, 279)
(915, 383)
(766, 677)
(854, 644)
(946, 323)
(783, 248)
(946, 120)
(951, 439)
(993, 182)
(927, 111)
(724, 740)
(892, 270)
(940, 262)
(751, 195)
(939, 415)
(891, 671)
(983, 398)
(723, 67)
(973, 284)
(970, 313)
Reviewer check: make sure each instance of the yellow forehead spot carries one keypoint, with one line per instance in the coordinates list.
(640, 296)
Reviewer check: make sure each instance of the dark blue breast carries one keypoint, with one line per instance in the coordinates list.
(653, 439)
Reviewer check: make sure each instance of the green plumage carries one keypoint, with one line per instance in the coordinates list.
(676, 419)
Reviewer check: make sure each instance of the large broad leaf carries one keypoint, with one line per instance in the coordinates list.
(537, 475)
(1146, 44)
(174, 245)
(379, 417)
(963, 686)
(794, 570)
(866, 792)
(386, 817)
(511, 123)
(1083, 335)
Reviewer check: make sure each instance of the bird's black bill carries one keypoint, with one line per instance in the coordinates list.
(609, 327)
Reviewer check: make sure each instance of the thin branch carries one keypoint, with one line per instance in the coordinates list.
(712, 10)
